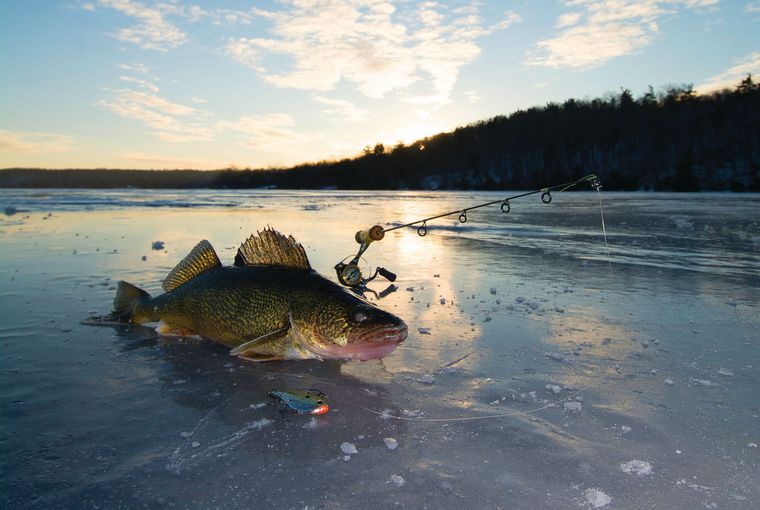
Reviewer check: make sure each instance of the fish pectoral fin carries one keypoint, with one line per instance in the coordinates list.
(248, 349)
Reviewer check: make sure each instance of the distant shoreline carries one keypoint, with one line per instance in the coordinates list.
(114, 179)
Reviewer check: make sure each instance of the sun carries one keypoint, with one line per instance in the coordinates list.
(414, 132)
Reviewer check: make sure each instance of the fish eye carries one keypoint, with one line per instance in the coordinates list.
(359, 315)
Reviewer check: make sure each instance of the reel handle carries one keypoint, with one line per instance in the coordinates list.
(391, 277)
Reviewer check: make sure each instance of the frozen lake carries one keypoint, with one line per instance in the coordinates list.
(541, 370)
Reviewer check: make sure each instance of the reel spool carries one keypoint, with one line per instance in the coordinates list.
(350, 274)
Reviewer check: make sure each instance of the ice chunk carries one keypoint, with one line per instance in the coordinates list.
(597, 499)
(390, 442)
(625, 429)
(157, 245)
(553, 388)
(555, 356)
(493, 291)
(426, 379)
(424, 331)
(669, 382)
(443, 301)
(703, 382)
(636, 467)
(725, 372)
(398, 480)
(348, 448)
(574, 407)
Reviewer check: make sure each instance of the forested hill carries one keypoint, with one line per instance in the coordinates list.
(672, 140)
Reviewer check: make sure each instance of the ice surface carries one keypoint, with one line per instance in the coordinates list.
(597, 498)
(636, 467)
(94, 417)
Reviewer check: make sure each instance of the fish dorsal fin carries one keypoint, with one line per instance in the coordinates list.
(270, 248)
(198, 261)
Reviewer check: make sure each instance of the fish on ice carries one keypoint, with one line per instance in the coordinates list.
(270, 305)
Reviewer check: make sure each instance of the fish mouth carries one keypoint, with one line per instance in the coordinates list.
(364, 346)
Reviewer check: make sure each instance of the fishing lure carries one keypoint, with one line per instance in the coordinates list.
(310, 401)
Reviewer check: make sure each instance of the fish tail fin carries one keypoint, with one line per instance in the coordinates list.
(127, 298)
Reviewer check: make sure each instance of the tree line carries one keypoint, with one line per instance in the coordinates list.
(673, 139)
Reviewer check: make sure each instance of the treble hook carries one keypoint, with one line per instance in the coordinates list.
(546, 197)
(422, 229)
(505, 206)
(463, 216)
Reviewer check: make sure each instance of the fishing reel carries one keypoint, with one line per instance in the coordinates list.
(350, 274)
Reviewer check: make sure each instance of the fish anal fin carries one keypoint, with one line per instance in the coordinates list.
(202, 258)
(271, 248)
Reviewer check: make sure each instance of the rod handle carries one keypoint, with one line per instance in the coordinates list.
(371, 234)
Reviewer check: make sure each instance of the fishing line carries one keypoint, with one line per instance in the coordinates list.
(463, 218)
(350, 275)
(604, 229)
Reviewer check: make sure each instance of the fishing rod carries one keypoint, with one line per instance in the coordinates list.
(351, 276)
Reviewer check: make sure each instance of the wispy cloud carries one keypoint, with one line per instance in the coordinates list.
(30, 142)
(151, 31)
(142, 83)
(273, 130)
(135, 68)
(159, 161)
(376, 46)
(341, 108)
(168, 121)
(594, 32)
(749, 64)
(472, 96)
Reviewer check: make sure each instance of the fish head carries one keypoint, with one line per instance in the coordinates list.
(340, 325)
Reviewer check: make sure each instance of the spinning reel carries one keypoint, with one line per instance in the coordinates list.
(350, 274)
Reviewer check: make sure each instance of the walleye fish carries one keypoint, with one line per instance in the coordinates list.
(271, 305)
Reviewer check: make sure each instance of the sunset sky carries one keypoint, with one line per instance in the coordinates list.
(194, 84)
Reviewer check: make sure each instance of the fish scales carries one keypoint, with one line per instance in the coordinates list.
(280, 309)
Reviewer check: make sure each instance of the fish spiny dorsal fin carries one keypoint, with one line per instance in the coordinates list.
(198, 261)
(270, 248)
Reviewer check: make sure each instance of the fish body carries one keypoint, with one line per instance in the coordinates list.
(269, 306)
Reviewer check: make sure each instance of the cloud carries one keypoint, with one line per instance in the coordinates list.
(749, 64)
(152, 31)
(168, 121)
(135, 68)
(273, 130)
(345, 109)
(752, 7)
(169, 161)
(472, 96)
(376, 46)
(595, 32)
(34, 142)
(142, 83)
